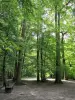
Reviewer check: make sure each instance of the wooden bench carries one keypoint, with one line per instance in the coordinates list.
(9, 88)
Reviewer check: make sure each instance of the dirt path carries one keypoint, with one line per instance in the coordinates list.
(41, 91)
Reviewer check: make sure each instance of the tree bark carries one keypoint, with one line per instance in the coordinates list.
(20, 59)
(18, 81)
(38, 76)
(57, 30)
(63, 56)
(42, 59)
(4, 68)
(15, 69)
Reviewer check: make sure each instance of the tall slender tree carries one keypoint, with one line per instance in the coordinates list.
(57, 31)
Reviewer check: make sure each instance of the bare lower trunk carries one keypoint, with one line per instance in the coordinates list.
(57, 29)
(15, 69)
(4, 67)
(42, 59)
(18, 80)
(63, 56)
(38, 76)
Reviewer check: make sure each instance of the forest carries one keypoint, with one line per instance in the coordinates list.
(37, 40)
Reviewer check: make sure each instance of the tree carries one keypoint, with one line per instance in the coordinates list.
(57, 29)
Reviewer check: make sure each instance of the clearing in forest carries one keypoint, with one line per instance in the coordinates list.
(41, 91)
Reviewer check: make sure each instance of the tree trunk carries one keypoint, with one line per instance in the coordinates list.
(20, 56)
(19, 68)
(41, 53)
(63, 57)
(4, 68)
(38, 76)
(15, 69)
(57, 30)
(42, 59)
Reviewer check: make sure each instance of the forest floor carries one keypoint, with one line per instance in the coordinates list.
(41, 91)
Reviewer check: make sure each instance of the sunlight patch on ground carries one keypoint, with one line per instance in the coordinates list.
(29, 79)
(49, 79)
(69, 81)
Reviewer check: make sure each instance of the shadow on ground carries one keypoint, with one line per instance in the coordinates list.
(32, 90)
